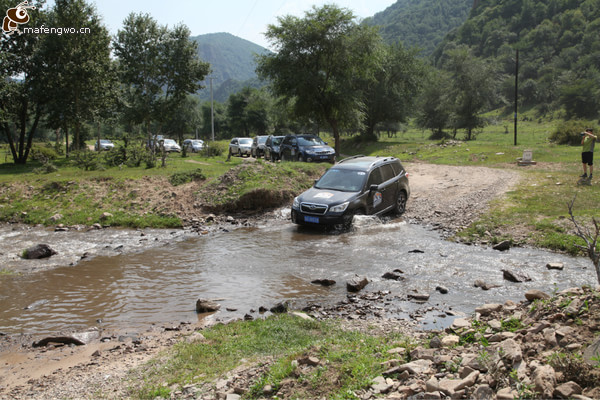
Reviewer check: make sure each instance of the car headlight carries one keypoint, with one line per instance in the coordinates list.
(340, 207)
(296, 203)
(309, 151)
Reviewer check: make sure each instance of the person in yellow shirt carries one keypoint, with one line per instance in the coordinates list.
(588, 140)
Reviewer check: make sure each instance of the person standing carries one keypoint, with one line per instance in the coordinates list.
(588, 141)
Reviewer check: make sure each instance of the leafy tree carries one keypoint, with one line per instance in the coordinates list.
(77, 76)
(159, 68)
(219, 118)
(389, 95)
(20, 110)
(435, 103)
(474, 88)
(319, 61)
(248, 112)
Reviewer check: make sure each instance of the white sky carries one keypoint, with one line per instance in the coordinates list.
(247, 19)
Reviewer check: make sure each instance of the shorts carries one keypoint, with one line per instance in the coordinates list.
(587, 157)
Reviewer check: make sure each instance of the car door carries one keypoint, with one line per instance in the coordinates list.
(389, 186)
(375, 202)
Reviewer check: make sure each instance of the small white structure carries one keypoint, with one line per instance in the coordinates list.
(527, 158)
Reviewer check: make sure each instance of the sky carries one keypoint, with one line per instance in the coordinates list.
(247, 19)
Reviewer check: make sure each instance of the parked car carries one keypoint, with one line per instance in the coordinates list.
(305, 148)
(354, 186)
(240, 146)
(193, 145)
(272, 147)
(170, 146)
(103, 144)
(258, 146)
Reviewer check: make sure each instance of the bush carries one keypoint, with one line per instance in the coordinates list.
(43, 154)
(214, 149)
(569, 132)
(180, 178)
(87, 160)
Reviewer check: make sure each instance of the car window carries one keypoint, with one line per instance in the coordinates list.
(233, 141)
(375, 177)
(387, 172)
(310, 141)
(262, 139)
(245, 141)
(342, 179)
(276, 141)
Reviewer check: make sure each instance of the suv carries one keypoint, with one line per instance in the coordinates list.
(354, 186)
(305, 148)
(258, 146)
(272, 147)
(240, 146)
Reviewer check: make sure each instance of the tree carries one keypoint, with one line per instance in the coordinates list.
(159, 68)
(389, 95)
(248, 111)
(474, 87)
(589, 237)
(435, 105)
(77, 77)
(20, 110)
(319, 61)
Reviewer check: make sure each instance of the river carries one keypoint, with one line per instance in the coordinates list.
(131, 279)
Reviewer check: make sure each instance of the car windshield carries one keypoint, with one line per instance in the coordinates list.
(310, 141)
(105, 141)
(169, 141)
(262, 139)
(344, 180)
(276, 141)
(246, 141)
(197, 141)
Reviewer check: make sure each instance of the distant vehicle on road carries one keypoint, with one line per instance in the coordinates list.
(272, 147)
(240, 146)
(193, 145)
(258, 146)
(103, 144)
(307, 148)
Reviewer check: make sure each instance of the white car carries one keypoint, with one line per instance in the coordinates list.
(240, 146)
(193, 145)
(104, 144)
(171, 146)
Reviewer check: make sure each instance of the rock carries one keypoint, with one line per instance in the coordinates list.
(544, 379)
(38, 251)
(534, 294)
(312, 361)
(442, 289)
(555, 265)
(78, 339)
(105, 215)
(591, 355)
(392, 276)
(206, 306)
(483, 285)
(56, 217)
(515, 276)
(450, 341)
(460, 323)
(573, 307)
(357, 283)
(502, 246)
(381, 385)
(323, 282)
(483, 392)
(417, 367)
(487, 309)
(510, 352)
(567, 390)
(279, 308)
(419, 296)
(507, 394)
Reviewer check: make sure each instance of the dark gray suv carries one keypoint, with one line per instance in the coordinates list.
(355, 185)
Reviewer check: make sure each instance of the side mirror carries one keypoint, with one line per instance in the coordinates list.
(373, 188)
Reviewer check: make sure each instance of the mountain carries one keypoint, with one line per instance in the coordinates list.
(559, 50)
(420, 23)
(232, 62)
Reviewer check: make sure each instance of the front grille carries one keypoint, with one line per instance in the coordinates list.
(312, 208)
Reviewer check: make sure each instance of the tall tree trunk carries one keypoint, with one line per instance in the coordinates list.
(67, 141)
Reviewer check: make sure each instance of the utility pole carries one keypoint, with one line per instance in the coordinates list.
(516, 92)
(212, 110)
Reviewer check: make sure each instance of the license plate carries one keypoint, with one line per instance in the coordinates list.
(308, 218)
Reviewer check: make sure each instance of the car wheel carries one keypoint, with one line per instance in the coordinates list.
(401, 203)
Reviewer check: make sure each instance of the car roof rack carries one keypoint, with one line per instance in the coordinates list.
(350, 158)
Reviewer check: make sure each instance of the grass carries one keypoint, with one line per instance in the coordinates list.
(349, 360)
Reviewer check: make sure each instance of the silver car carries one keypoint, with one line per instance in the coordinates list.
(193, 145)
(103, 144)
(240, 146)
(171, 146)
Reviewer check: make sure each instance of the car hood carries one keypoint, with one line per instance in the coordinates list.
(326, 196)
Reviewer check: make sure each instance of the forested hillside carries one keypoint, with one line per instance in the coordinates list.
(231, 60)
(559, 49)
(420, 23)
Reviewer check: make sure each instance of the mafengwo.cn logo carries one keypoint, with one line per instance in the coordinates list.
(15, 17)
